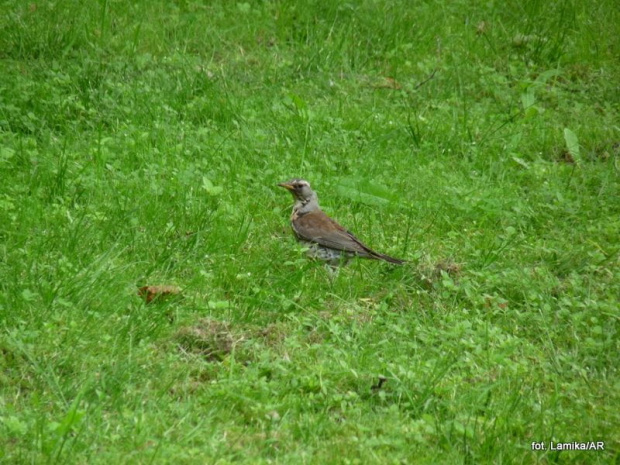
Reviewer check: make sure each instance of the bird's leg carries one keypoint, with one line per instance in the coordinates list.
(332, 271)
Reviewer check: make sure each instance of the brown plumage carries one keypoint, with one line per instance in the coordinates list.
(327, 239)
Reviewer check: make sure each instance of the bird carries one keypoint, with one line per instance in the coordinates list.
(325, 238)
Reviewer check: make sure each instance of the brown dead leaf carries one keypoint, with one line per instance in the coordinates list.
(151, 293)
(387, 83)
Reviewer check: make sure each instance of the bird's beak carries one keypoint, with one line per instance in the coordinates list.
(286, 185)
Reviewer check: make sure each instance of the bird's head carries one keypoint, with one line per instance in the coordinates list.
(301, 190)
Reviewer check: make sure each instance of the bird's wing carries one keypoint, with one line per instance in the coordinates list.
(316, 226)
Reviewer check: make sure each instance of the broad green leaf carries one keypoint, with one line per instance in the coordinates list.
(528, 99)
(211, 189)
(572, 144)
(366, 192)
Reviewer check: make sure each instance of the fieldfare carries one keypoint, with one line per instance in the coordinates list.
(327, 240)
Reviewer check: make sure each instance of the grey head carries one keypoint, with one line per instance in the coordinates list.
(305, 198)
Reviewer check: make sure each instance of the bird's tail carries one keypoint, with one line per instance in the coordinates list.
(387, 258)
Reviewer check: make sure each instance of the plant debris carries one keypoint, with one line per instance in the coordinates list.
(379, 385)
(212, 339)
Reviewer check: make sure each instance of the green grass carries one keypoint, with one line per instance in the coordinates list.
(141, 145)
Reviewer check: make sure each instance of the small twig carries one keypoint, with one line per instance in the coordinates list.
(431, 76)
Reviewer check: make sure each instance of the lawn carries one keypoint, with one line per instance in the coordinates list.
(141, 144)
